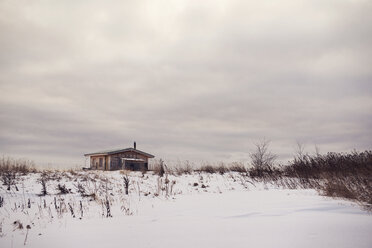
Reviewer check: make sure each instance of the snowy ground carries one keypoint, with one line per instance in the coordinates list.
(199, 210)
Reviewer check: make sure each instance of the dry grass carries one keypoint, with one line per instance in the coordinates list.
(344, 175)
(19, 166)
(183, 168)
(238, 167)
(208, 169)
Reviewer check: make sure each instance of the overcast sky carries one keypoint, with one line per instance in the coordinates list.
(188, 80)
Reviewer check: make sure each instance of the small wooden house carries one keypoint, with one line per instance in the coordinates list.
(119, 159)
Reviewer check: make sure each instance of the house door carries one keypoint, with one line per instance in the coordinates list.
(101, 163)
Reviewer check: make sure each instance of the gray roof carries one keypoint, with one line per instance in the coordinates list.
(114, 151)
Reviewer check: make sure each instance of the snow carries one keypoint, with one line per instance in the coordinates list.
(229, 211)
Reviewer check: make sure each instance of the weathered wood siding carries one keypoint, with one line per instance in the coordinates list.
(130, 155)
(117, 164)
(99, 162)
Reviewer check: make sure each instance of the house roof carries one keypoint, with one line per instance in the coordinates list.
(114, 151)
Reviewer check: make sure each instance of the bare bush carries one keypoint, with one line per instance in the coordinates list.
(261, 157)
(263, 161)
(80, 189)
(83, 192)
(126, 184)
(9, 179)
(43, 181)
(63, 189)
(159, 168)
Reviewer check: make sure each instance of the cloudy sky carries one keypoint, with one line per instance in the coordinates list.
(196, 80)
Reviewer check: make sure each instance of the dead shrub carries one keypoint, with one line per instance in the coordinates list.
(43, 181)
(9, 179)
(159, 168)
(262, 158)
(83, 192)
(63, 189)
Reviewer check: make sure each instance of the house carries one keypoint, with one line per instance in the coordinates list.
(119, 159)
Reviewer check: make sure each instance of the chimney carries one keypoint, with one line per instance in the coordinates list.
(134, 145)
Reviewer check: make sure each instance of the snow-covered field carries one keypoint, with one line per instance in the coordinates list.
(198, 210)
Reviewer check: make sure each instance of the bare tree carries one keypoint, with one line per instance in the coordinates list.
(261, 157)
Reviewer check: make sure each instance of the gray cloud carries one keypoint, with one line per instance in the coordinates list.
(189, 80)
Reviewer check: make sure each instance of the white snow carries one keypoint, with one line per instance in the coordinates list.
(228, 212)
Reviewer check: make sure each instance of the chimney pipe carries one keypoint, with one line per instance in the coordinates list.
(134, 145)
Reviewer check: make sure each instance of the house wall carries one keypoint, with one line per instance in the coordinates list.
(108, 162)
(115, 159)
(99, 162)
(130, 155)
